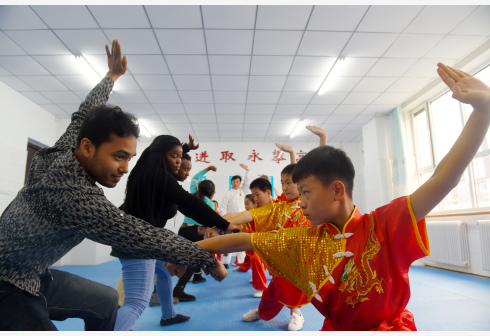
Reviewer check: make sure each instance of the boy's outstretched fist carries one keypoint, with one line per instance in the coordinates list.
(466, 88)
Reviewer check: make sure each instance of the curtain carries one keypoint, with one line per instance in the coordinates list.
(398, 139)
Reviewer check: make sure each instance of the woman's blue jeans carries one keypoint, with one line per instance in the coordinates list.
(138, 285)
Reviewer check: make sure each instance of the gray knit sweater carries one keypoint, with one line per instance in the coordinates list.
(60, 206)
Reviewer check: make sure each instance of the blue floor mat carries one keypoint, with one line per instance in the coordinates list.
(441, 300)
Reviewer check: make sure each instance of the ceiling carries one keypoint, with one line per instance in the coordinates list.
(238, 73)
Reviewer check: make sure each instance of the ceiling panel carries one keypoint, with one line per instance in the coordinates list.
(230, 97)
(81, 41)
(220, 67)
(38, 42)
(134, 97)
(476, 23)
(191, 82)
(232, 83)
(135, 41)
(120, 16)
(271, 65)
(315, 43)
(388, 19)
(374, 84)
(230, 108)
(155, 82)
(391, 67)
(229, 42)
(229, 65)
(9, 47)
(169, 108)
(196, 97)
(439, 19)
(61, 97)
(147, 65)
(303, 83)
(262, 109)
(258, 119)
(320, 109)
(266, 83)
(263, 97)
(369, 44)
(174, 16)
(336, 18)
(455, 46)
(290, 109)
(202, 119)
(44, 83)
(271, 42)
(413, 45)
(181, 41)
(15, 83)
(200, 108)
(283, 17)
(20, 17)
(72, 17)
(229, 17)
(187, 64)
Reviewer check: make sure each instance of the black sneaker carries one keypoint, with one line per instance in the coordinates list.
(198, 278)
(226, 266)
(176, 319)
(154, 300)
(183, 296)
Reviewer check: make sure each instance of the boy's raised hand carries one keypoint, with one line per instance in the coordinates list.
(448, 172)
(466, 88)
(320, 132)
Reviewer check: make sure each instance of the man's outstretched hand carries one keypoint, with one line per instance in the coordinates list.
(218, 273)
(117, 63)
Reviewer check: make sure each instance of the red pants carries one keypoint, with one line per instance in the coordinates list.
(252, 261)
(280, 293)
(245, 265)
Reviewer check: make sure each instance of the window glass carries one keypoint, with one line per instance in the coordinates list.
(422, 140)
(460, 197)
(481, 173)
(447, 125)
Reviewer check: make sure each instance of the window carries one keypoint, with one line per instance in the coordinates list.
(437, 125)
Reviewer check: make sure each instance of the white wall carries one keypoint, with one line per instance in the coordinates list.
(20, 119)
(378, 167)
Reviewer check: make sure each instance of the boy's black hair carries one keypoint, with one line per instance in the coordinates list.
(215, 201)
(236, 177)
(186, 156)
(262, 183)
(103, 121)
(250, 197)
(288, 170)
(327, 164)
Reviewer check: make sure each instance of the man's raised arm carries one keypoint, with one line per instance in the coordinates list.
(98, 96)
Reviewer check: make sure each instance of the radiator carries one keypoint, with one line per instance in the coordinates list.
(448, 243)
(484, 228)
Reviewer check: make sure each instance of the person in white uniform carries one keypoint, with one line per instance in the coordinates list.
(234, 202)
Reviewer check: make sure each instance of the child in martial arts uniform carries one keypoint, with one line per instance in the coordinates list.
(354, 267)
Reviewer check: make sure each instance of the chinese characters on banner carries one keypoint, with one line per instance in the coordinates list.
(226, 155)
(277, 156)
(254, 156)
(202, 157)
(300, 154)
